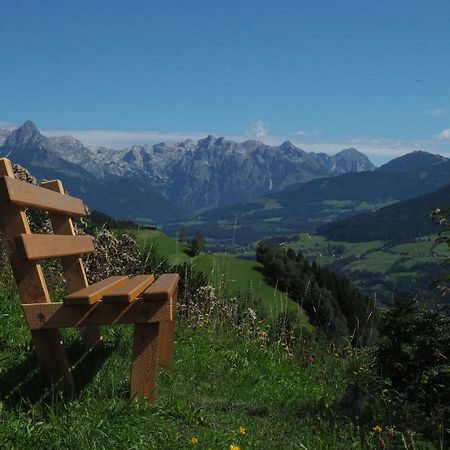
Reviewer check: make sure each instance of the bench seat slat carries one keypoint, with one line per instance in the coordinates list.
(45, 246)
(128, 291)
(31, 196)
(163, 288)
(94, 292)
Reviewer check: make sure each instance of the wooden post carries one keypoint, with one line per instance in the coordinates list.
(145, 361)
(167, 334)
(32, 289)
(73, 267)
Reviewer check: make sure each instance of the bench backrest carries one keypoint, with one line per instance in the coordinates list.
(25, 249)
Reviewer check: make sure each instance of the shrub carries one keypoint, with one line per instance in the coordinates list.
(414, 356)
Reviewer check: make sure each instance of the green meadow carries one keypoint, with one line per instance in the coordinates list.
(229, 275)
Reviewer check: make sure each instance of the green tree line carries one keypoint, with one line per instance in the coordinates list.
(331, 302)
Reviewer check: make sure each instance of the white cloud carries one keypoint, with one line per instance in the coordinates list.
(258, 129)
(444, 135)
(438, 112)
(299, 133)
(119, 139)
(7, 124)
(377, 147)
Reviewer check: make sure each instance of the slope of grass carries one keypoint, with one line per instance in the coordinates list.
(378, 262)
(229, 275)
(174, 252)
(219, 382)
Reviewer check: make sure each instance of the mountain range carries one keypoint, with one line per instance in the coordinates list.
(172, 180)
(308, 206)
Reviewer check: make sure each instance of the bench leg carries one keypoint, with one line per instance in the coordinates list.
(167, 334)
(53, 359)
(145, 361)
(166, 341)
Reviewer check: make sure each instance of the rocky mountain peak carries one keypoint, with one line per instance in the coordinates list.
(288, 145)
(352, 160)
(26, 135)
(349, 151)
(208, 141)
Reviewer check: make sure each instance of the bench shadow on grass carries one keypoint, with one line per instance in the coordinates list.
(25, 382)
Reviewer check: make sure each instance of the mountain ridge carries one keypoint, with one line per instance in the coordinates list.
(402, 221)
(307, 206)
(191, 175)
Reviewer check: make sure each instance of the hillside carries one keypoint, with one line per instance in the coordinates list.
(229, 275)
(228, 388)
(219, 382)
(402, 221)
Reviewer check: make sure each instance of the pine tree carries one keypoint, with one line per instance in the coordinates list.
(183, 236)
(197, 244)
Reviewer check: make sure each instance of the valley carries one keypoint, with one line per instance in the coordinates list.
(364, 222)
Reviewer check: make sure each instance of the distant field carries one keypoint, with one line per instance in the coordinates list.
(227, 273)
(270, 216)
(379, 262)
(388, 266)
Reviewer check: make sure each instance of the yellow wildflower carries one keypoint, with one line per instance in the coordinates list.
(377, 429)
(242, 430)
(194, 440)
(234, 447)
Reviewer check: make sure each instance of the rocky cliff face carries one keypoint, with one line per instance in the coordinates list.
(191, 175)
(345, 161)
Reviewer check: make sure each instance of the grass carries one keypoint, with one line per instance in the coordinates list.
(229, 275)
(378, 267)
(377, 262)
(219, 382)
(174, 252)
(268, 203)
(371, 252)
(421, 248)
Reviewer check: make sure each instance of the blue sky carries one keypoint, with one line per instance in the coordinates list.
(323, 74)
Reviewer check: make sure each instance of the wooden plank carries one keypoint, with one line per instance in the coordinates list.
(73, 268)
(166, 343)
(28, 195)
(32, 289)
(164, 288)
(42, 316)
(45, 246)
(128, 291)
(145, 361)
(94, 292)
(167, 334)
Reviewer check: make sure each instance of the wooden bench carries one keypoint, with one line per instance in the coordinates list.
(147, 304)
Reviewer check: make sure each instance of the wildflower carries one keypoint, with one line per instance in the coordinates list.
(194, 440)
(377, 429)
(234, 447)
(242, 430)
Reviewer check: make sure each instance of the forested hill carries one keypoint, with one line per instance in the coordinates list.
(382, 183)
(332, 303)
(401, 221)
